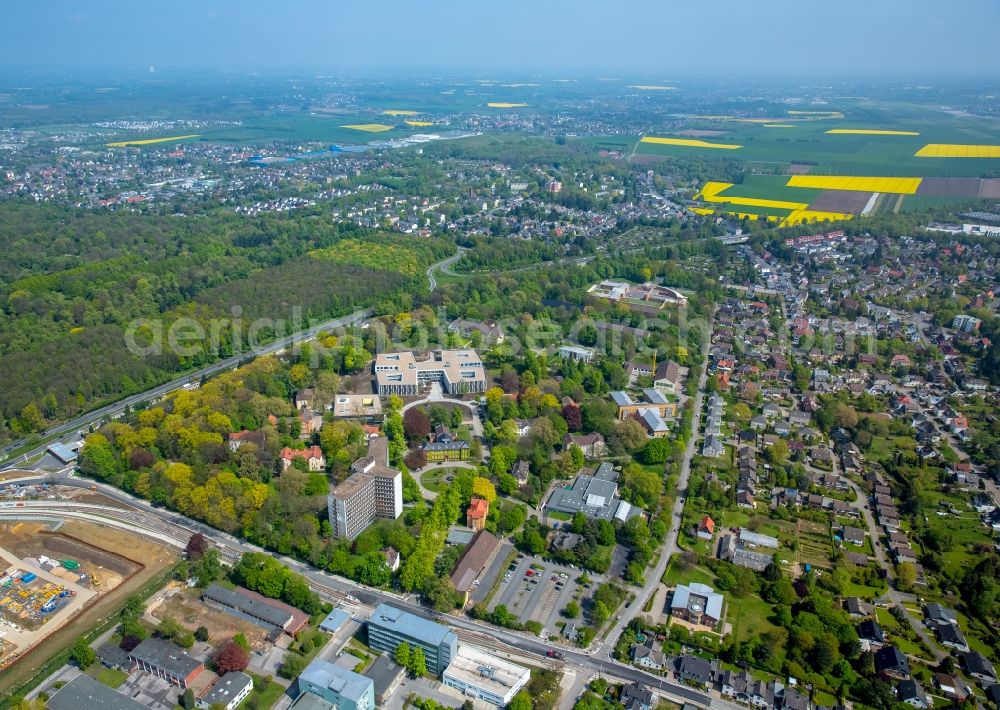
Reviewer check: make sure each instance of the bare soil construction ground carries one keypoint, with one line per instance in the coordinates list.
(96, 548)
(186, 608)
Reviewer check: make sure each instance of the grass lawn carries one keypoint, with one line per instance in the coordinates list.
(112, 677)
(824, 699)
(886, 620)
(865, 549)
(434, 476)
(266, 697)
(748, 616)
(860, 590)
(674, 575)
(908, 647)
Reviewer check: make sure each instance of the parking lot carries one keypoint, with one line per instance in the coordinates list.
(537, 590)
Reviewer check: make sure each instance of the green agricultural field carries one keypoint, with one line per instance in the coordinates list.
(310, 127)
(791, 140)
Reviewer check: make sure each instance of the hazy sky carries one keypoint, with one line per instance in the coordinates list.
(874, 38)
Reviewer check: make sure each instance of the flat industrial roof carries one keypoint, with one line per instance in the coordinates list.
(483, 670)
(166, 656)
(334, 620)
(404, 622)
(244, 602)
(403, 367)
(228, 687)
(347, 684)
(83, 692)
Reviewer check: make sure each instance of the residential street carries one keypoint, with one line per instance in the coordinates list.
(669, 547)
(893, 594)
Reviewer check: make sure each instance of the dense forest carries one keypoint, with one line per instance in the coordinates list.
(71, 282)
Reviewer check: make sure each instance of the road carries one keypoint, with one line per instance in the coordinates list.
(677, 515)
(117, 408)
(897, 597)
(444, 266)
(156, 522)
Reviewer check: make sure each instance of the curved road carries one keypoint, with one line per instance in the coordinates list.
(117, 408)
(156, 522)
(669, 548)
(444, 266)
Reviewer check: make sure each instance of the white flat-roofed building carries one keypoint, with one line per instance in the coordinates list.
(229, 691)
(575, 352)
(480, 675)
(649, 293)
(458, 371)
(357, 406)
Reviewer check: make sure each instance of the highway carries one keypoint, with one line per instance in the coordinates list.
(175, 529)
(117, 408)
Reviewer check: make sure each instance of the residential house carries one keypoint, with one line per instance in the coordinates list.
(667, 377)
(636, 696)
(713, 447)
(647, 655)
(978, 667)
(857, 607)
(794, 700)
(951, 635)
(855, 536)
(706, 528)
(238, 438)
(313, 456)
(592, 445)
(696, 603)
(491, 332)
(870, 631)
(695, 669)
(952, 687)
(910, 692)
(304, 398)
(520, 472)
(891, 663)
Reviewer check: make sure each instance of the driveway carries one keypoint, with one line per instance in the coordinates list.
(669, 547)
(897, 597)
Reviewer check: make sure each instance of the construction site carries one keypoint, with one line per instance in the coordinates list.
(60, 577)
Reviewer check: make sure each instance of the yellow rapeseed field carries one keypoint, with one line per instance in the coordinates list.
(711, 192)
(778, 125)
(804, 215)
(954, 150)
(369, 127)
(399, 112)
(895, 185)
(869, 132)
(502, 104)
(688, 142)
(419, 124)
(150, 141)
